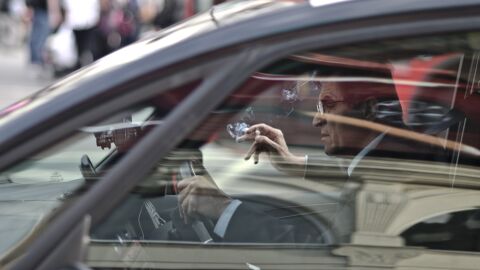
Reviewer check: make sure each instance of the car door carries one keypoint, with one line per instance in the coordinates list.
(210, 94)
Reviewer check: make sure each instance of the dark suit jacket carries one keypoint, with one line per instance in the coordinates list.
(250, 226)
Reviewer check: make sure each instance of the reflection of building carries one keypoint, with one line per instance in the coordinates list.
(408, 193)
(391, 199)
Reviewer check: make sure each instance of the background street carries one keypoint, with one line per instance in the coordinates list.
(16, 78)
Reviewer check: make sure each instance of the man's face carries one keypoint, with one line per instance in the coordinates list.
(336, 137)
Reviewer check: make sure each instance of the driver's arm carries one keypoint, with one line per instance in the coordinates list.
(236, 222)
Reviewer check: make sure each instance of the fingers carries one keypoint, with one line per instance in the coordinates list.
(183, 195)
(254, 149)
(190, 190)
(246, 137)
(263, 128)
(191, 206)
(188, 207)
(181, 185)
(251, 150)
(185, 190)
(261, 144)
(267, 141)
(256, 130)
(198, 197)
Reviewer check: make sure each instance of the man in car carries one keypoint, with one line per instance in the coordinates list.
(354, 118)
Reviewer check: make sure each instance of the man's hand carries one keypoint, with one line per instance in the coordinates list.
(271, 141)
(200, 197)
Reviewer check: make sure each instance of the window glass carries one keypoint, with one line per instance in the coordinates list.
(452, 231)
(36, 187)
(371, 145)
(60, 163)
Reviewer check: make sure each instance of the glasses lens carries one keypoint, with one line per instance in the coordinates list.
(320, 107)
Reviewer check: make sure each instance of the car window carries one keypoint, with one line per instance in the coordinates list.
(60, 163)
(367, 151)
(36, 187)
(39, 184)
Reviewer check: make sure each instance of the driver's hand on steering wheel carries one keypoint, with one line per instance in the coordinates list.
(200, 197)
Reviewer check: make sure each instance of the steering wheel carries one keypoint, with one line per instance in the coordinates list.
(180, 164)
(151, 210)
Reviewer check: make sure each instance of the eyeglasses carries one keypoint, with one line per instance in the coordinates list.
(325, 106)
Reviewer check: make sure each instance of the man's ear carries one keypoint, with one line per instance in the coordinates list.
(370, 109)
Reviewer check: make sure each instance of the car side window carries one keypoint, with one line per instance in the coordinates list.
(60, 163)
(40, 185)
(361, 145)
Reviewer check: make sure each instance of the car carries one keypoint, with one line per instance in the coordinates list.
(90, 166)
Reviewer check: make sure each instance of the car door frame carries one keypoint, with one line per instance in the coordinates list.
(210, 93)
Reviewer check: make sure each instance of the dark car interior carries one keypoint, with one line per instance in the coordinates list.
(151, 210)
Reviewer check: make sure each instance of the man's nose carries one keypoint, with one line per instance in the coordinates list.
(318, 120)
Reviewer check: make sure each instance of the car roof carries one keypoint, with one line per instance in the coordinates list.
(220, 27)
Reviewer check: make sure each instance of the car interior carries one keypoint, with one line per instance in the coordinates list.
(151, 210)
(284, 95)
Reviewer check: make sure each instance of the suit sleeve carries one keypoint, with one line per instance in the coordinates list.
(251, 226)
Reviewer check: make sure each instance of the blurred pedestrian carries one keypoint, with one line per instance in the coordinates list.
(119, 25)
(40, 29)
(168, 13)
(82, 17)
(14, 24)
(4, 6)
(130, 25)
